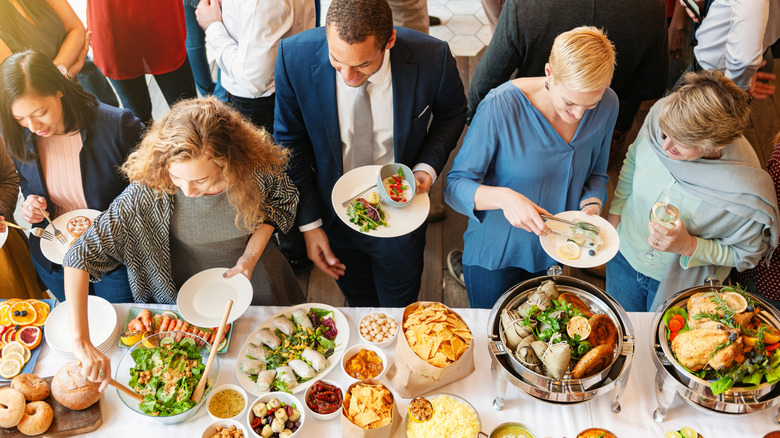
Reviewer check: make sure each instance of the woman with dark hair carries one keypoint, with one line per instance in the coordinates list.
(52, 28)
(67, 149)
(207, 190)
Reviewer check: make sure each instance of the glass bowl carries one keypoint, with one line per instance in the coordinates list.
(122, 374)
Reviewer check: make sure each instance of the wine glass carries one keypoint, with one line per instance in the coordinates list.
(665, 213)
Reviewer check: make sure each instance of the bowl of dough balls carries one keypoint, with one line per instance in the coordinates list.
(276, 415)
(225, 429)
(379, 329)
(22, 405)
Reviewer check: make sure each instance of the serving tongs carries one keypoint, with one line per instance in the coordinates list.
(581, 225)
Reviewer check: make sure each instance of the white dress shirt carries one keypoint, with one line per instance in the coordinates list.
(380, 92)
(246, 41)
(734, 35)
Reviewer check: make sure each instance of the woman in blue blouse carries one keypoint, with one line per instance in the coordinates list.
(535, 145)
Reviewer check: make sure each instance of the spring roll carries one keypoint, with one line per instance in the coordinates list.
(302, 369)
(286, 375)
(251, 366)
(300, 318)
(315, 358)
(284, 325)
(257, 352)
(265, 379)
(267, 337)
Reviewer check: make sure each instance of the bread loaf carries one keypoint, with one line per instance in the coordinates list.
(72, 389)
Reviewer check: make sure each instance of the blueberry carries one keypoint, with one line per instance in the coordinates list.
(720, 326)
(592, 252)
(731, 321)
(733, 337)
(17, 313)
(24, 313)
(749, 308)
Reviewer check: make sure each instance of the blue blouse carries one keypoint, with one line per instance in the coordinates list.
(511, 144)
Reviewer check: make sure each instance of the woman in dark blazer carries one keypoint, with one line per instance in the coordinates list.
(67, 149)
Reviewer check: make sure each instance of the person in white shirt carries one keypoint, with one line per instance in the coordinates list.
(244, 37)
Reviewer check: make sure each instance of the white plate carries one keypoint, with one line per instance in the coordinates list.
(400, 221)
(3, 237)
(342, 340)
(53, 249)
(102, 325)
(202, 298)
(608, 234)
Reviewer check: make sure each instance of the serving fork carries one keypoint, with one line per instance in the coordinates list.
(57, 233)
(581, 225)
(37, 232)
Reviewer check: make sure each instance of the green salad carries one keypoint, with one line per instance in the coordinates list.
(166, 376)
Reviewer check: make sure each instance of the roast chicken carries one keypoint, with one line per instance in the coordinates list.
(694, 348)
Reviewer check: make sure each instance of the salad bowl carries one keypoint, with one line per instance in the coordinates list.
(142, 355)
(384, 188)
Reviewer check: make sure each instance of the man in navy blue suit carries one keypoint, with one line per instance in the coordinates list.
(417, 112)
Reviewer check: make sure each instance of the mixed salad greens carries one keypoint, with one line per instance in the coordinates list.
(368, 216)
(166, 376)
(552, 324)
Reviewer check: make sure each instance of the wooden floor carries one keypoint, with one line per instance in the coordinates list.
(447, 235)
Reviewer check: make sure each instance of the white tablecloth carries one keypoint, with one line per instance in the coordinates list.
(547, 420)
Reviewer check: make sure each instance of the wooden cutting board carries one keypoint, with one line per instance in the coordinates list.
(66, 422)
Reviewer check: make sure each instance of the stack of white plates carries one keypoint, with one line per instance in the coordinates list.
(103, 327)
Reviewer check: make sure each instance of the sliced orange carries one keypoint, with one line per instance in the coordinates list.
(13, 301)
(10, 369)
(4, 314)
(30, 336)
(42, 309)
(22, 313)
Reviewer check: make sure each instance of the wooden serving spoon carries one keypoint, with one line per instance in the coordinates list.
(198, 393)
(138, 397)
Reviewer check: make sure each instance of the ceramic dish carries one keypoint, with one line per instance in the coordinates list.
(341, 341)
(355, 349)
(214, 399)
(608, 234)
(53, 249)
(29, 366)
(400, 221)
(390, 170)
(201, 300)
(103, 326)
(211, 430)
(287, 399)
(317, 415)
(386, 342)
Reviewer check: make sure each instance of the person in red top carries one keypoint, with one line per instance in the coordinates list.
(764, 279)
(138, 37)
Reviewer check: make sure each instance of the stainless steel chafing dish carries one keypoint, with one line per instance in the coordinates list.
(506, 368)
(672, 378)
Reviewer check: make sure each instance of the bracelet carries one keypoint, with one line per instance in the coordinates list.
(64, 70)
(591, 203)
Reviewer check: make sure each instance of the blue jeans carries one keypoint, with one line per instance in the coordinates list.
(259, 110)
(92, 81)
(113, 286)
(196, 52)
(485, 286)
(175, 85)
(634, 291)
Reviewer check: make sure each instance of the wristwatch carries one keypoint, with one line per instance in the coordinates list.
(64, 71)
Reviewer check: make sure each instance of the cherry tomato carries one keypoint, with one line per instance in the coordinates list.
(772, 346)
(673, 335)
(675, 325)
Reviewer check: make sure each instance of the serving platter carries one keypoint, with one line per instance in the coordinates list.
(400, 220)
(35, 352)
(133, 312)
(341, 341)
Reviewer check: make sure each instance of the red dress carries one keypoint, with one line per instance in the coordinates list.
(131, 38)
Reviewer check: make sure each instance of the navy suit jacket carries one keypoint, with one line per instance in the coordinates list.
(426, 88)
(108, 138)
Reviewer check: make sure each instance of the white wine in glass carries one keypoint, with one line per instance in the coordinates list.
(665, 213)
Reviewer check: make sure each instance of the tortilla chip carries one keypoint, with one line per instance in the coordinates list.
(369, 406)
(436, 334)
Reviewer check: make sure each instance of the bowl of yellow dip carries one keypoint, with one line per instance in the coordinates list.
(513, 430)
(227, 402)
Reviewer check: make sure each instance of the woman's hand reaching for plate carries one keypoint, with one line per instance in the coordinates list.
(675, 240)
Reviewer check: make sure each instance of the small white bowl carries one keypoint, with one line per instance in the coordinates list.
(211, 430)
(385, 343)
(287, 399)
(353, 350)
(221, 388)
(317, 415)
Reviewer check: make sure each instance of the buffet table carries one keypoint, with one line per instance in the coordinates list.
(638, 401)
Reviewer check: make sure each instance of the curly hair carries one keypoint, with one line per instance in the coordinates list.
(356, 20)
(708, 111)
(207, 127)
(583, 58)
(32, 72)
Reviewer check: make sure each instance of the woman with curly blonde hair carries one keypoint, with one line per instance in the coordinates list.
(207, 189)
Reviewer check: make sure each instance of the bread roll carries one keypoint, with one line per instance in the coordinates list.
(72, 389)
(33, 387)
(37, 418)
(11, 407)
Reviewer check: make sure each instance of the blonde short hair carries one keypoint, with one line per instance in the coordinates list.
(583, 58)
(708, 111)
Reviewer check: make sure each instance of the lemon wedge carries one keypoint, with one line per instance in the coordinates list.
(569, 251)
(579, 325)
(735, 301)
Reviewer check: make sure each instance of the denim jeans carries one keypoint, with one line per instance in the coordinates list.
(196, 52)
(485, 286)
(92, 81)
(113, 286)
(175, 85)
(634, 291)
(259, 110)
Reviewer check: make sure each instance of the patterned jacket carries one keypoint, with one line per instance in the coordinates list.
(135, 231)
